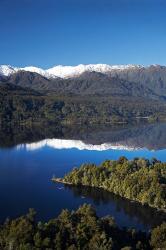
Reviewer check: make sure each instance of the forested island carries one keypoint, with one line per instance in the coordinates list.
(73, 230)
(139, 180)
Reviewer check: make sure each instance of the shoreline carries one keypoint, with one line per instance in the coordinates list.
(61, 180)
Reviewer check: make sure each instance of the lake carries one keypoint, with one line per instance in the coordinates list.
(30, 156)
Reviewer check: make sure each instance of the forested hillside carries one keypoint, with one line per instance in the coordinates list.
(89, 97)
(80, 229)
(20, 105)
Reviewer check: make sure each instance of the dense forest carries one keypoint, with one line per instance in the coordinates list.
(23, 105)
(76, 230)
(138, 180)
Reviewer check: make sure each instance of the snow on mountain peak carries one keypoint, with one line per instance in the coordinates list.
(72, 71)
(6, 70)
(66, 71)
(39, 71)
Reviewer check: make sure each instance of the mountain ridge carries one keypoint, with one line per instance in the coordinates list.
(71, 71)
(88, 83)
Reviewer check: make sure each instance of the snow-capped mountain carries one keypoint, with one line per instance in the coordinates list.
(72, 71)
(67, 71)
(40, 71)
(7, 70)
(122, 80)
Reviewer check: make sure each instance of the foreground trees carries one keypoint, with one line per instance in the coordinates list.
(139, 179)
(81, 229)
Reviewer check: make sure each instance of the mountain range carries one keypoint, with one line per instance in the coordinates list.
(81, 94)
(100, 79)
(66, 71)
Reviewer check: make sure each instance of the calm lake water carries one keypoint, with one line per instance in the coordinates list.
(29, 157)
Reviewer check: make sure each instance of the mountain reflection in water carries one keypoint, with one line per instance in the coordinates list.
(139, 136)
(31, 155)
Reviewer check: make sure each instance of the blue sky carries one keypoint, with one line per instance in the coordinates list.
(45, 33)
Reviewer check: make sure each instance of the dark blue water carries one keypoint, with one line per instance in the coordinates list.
(25, 180)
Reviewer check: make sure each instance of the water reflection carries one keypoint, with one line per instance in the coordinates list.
(30, 156)
(138, 136)
(145, 215)
(69, 144)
